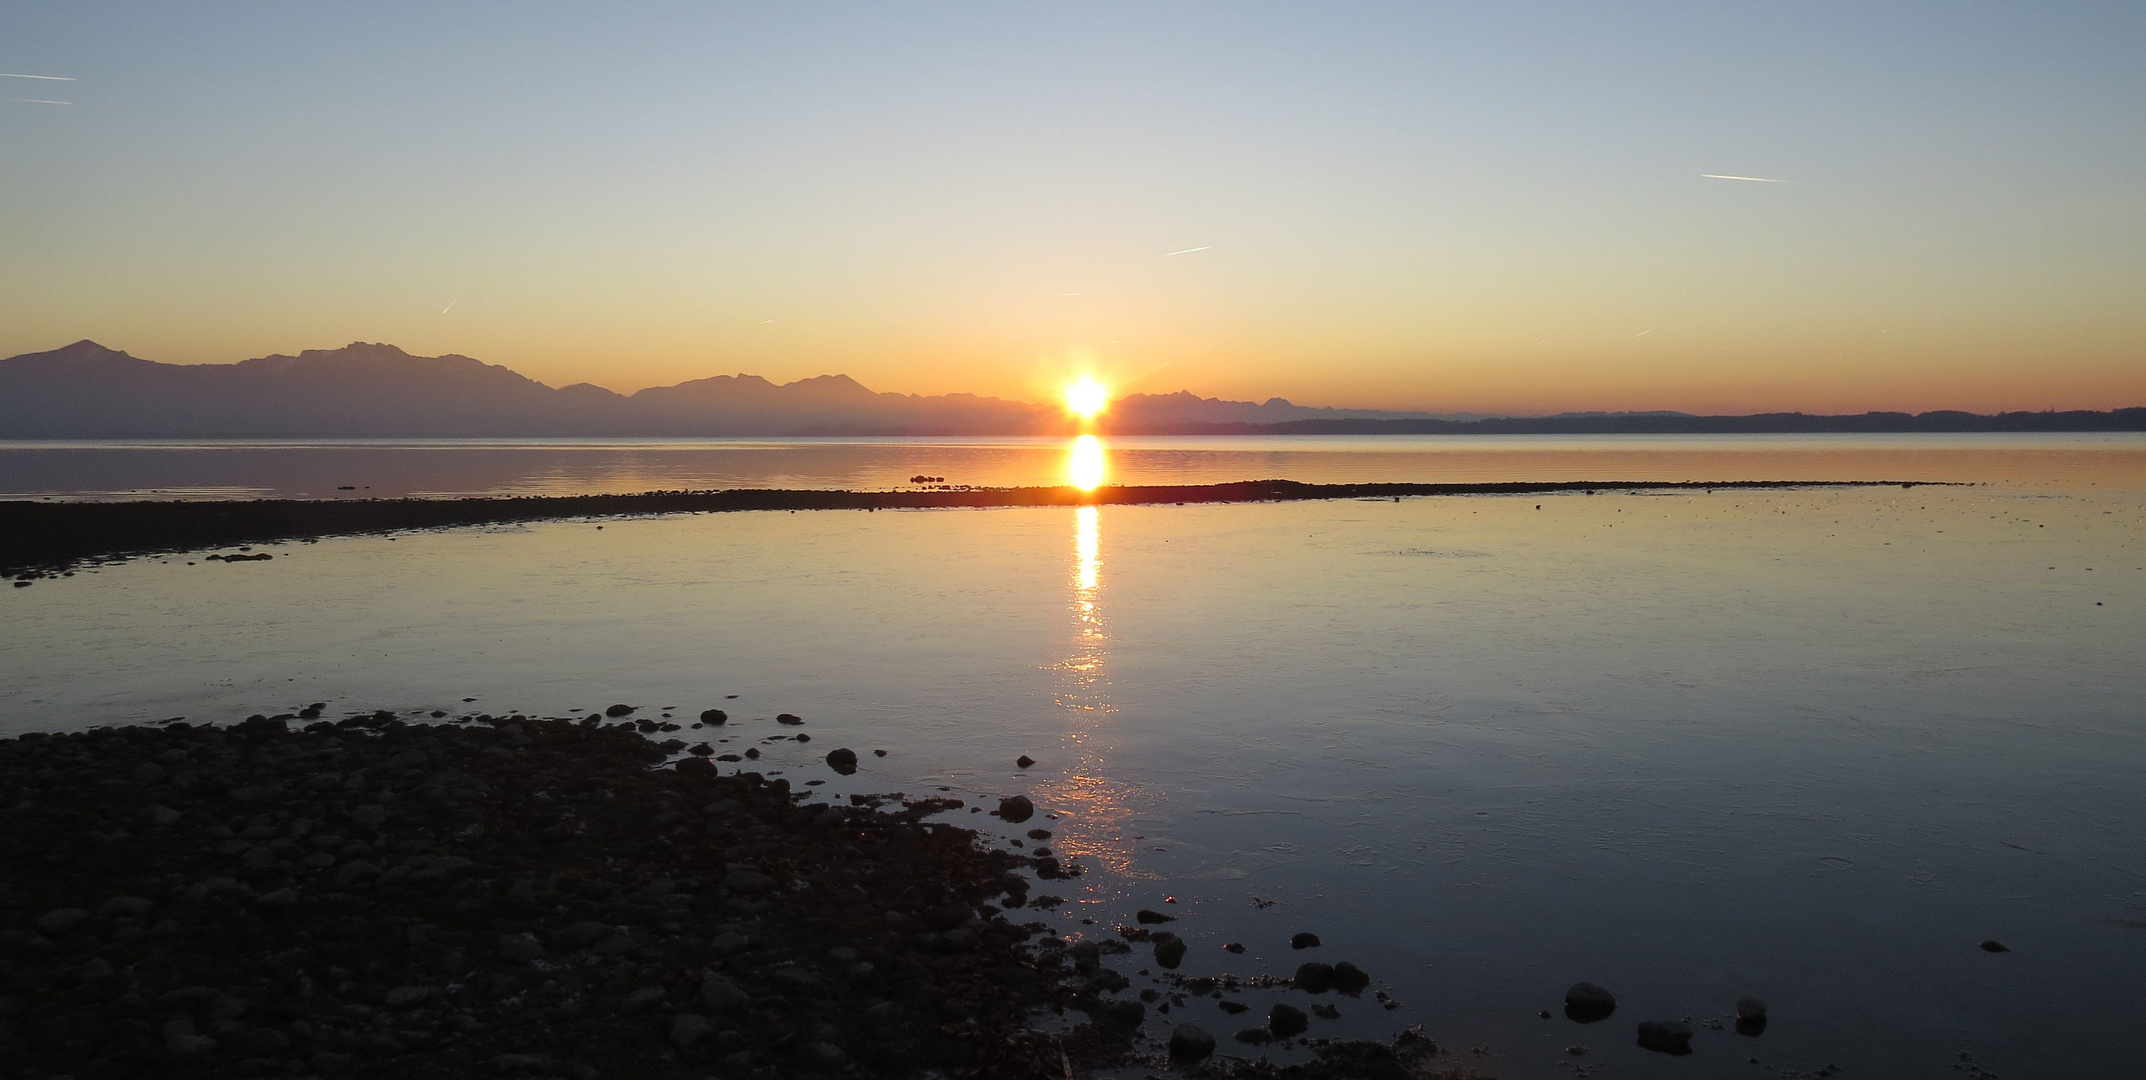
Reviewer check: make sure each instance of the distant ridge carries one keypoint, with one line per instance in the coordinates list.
(373, 390)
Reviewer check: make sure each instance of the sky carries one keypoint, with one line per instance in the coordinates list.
(1489, 207)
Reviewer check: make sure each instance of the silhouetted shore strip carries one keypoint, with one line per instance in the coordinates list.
(39, 538)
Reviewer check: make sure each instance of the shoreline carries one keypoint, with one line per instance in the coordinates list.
(40, 539)
(427, 897)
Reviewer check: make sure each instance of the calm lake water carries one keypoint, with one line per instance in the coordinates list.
(1812, 745)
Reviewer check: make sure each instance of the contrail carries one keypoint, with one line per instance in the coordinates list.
(53, 78)
(450, 305)
(39, 101)
(1753, 179)
(1187, 251)
(1072, 294)
(1641, 334)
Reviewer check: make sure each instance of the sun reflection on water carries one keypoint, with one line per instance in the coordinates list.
(1096, 807)
(1085, 464)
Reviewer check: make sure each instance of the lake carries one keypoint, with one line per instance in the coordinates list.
(1812, 745)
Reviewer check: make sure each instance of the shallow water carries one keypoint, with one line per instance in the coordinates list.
(386, 468)
(1809, 745)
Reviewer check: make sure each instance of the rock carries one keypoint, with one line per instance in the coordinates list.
(1315, 977)
(701, 749)
(843, 761)
(1231, 1007)
(1586, 1003)
(520, 1064)
(723, 995)
(267, 1042)
(749, 882)
(1169, 950)
(61, 922)
(1234, 947)
(1190, 1044)
(407, 997)
(148, 772)
(124, 907)
(520, 948)
(1125, 1013)
(617, 711)
(696, 766)
(369, 816)
(1350, 979)
(1994, 946)
(1286, 1020)
(1151, 917)
(354, 872)
(642, 1000)
(714, 716)
(163, 817)
(1325, 1012)
(1016, 809)
(792, 719)
(1024, 761)
(1750, 1008)
(1665, 1036)
(824, 1057)
(278, 900)
(1305, 940)
(1258, 1036)
(729, 941)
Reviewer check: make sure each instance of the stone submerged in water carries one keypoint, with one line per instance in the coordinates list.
(1586, 1003)
(1994, 946)
(1190, 1044)
(842, 760)
(1024, 761)
(1169, 949)
(1665, 1036)
(1146, 916)
(1315, 977)
(1350, 979)
(1305, 940)
(1016, 809)
(1286, 1020)
(1750, 1017)
(791, 719)
(714, 716)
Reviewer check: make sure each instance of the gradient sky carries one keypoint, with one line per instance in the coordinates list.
(1478, 206)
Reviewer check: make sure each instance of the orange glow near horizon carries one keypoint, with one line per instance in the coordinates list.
(1085, 466)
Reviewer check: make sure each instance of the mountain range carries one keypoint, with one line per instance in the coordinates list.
(364, 390)
(86, 390)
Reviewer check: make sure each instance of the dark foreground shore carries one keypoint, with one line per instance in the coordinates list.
(39, 538)
(380, 898)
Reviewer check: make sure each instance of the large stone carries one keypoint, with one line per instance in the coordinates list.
(1586, 1003)
(723, 995)
(61, 922)
(1016, 809)
(1169, 950)
(749, 882)
(1315, 977)
(1189, 1044)
(1665, 1036)
(124, 907)
(1286, 1020)
(842, 760)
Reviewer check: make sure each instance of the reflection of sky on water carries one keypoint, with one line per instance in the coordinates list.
(379, 469)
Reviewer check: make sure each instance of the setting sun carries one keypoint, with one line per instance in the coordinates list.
(1087, 398)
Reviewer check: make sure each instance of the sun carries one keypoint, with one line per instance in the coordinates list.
(1087, 397)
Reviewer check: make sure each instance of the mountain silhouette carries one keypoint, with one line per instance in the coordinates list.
(368, 389)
